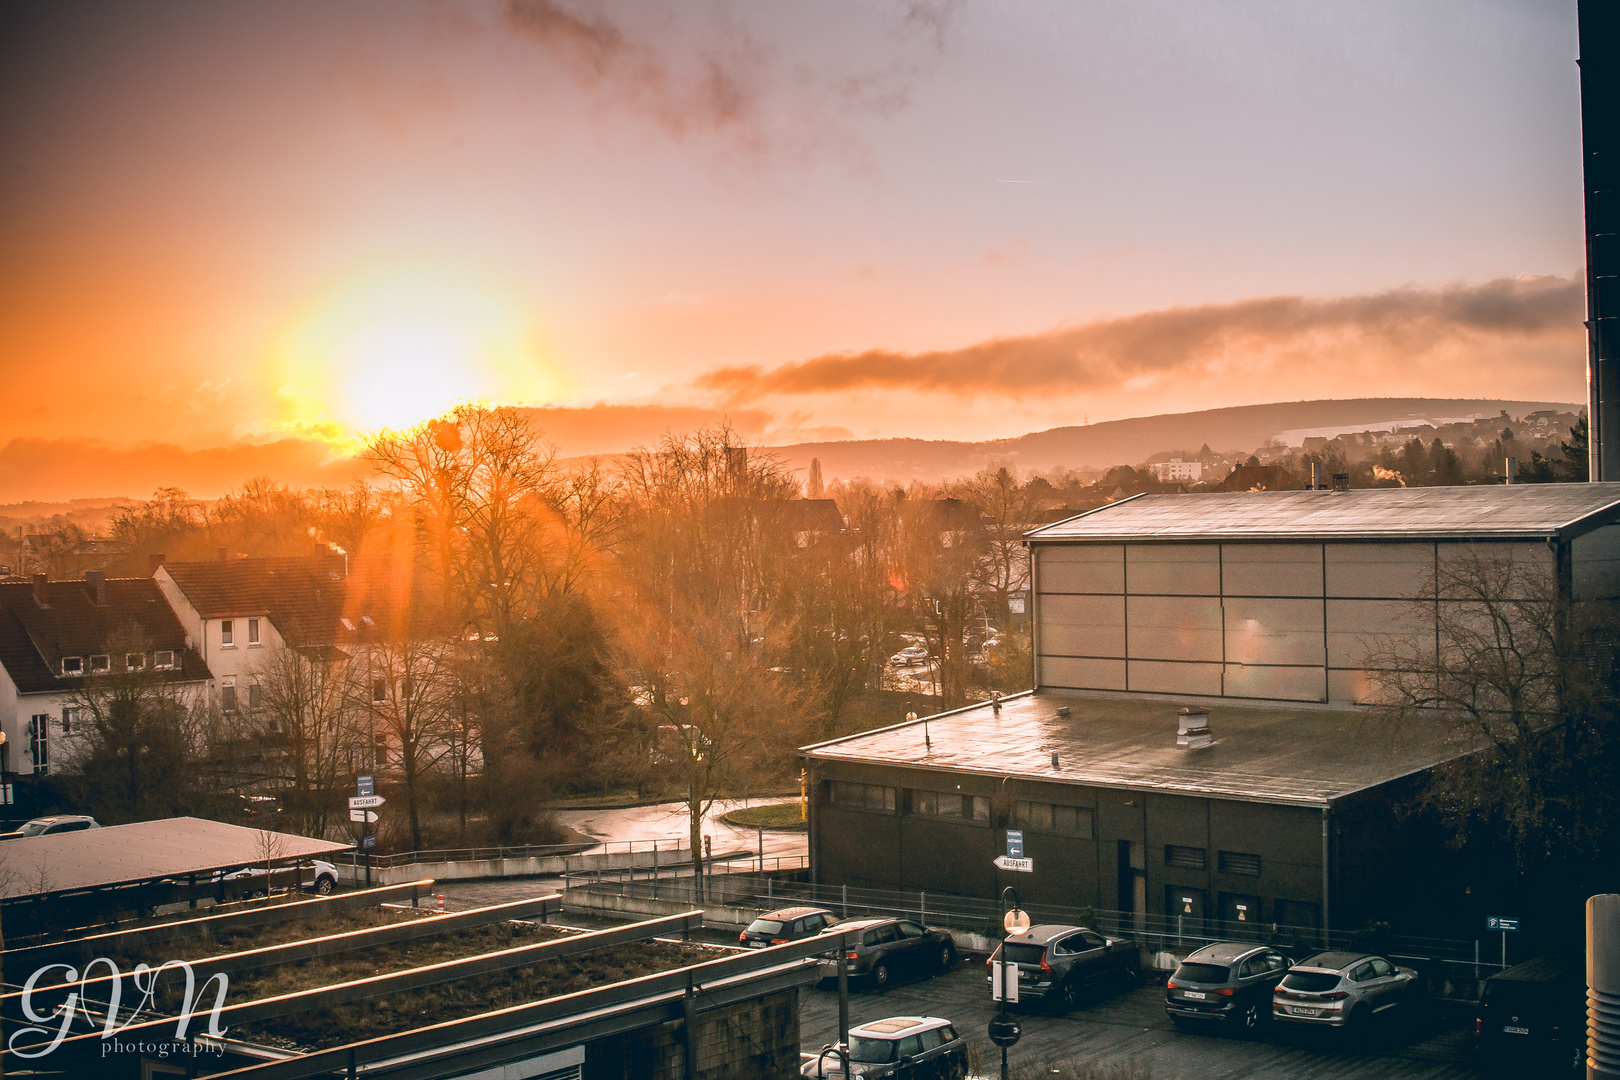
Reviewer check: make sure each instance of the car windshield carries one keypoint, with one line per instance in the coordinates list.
(1311, 982)
(1202, 973)
(871, 1051)
(1022, 953)
(764, 926)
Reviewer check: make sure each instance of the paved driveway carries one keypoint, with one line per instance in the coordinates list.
(667, 821)
(1132, 1027)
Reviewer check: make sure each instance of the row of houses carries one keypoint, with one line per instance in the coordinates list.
(203, 626)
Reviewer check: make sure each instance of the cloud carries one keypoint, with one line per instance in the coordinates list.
(1249, 339)
(728, 88)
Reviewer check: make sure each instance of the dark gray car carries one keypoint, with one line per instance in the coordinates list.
(784, 925)
(1230, 982)
(1056, 964)
(1335, 989)
(891, 947)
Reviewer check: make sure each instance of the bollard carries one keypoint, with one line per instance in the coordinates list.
(1603, 987)
(440, 898)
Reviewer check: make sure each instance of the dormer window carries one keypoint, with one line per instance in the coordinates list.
(100, 665)
(347, 625)
(135, 661)
(163, 659)
(368, 620)
(72, 665)
(227, 634)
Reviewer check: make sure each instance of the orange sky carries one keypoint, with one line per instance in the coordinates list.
(248, 232)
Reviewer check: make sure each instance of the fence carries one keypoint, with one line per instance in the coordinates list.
(1452, 967)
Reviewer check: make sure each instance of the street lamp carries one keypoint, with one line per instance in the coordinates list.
(1004, 1031)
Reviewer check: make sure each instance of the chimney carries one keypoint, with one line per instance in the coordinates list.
(1316, 476)
(1341, 481)
(153, 561)
(39, 590)
(223, 554)
(1194, 733)
(95, 583)
(1511, 471)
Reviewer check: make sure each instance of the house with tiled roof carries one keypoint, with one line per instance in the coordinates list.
(57, 635)
(236, 609)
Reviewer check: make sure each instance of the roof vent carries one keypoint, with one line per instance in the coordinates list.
(1194, 733)
(95, 583)
(40, 593)
(1063, 710)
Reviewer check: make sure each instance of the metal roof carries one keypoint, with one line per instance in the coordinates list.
(1520, 511)
(143, 851)
(1298, 757)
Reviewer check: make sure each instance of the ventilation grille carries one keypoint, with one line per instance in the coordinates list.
(1239, 862)
(1192, 858)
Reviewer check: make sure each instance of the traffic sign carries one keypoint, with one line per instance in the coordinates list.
(1004, 1032)
(1004, 982)
(369, 842)
(1503, 923)
(1015, 843)
(364, 786)
(368, 816)
(366, 802)
(1023, 866)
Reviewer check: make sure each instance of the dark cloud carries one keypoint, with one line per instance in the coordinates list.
(1377, 330)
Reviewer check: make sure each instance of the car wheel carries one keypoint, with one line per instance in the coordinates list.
(880, 975)
(1360, 1018)
(324, 885)
(1067, 997)
(947, 957)
(1251, 1018)
(1131, 972)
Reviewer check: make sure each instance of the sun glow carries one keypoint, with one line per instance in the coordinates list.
(391, 349)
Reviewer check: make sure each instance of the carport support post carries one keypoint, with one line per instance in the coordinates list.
(689, 1028)
(843, 1000)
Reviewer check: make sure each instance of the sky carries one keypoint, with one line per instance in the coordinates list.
(237, 237)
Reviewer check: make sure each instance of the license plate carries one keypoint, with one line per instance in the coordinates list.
(1516, 1030)
(1301, 1010)
(756, 944)
(1194, 995)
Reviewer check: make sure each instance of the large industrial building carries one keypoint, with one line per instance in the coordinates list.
(1259, 610)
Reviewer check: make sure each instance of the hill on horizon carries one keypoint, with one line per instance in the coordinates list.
(1241, 428)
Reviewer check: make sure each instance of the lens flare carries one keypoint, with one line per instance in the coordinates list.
(389, 349)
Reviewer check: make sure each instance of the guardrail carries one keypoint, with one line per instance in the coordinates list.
(517, 851)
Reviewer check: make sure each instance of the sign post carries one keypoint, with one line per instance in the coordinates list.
(1506, 924)
(360, 807)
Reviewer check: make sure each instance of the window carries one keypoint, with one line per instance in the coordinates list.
(1382, 968)
(100, 665)
(39, 741)
(1092, 940)
(163, 659)
(1193, 858)
(227, 634)
(227, 694)
(253, 631)
(1067, 820)
(255, 698)
(950, 804)
(1363, 973)
(135, 661)
(70, 720)
(1238, 862)
(863, 796)
(911, 930)
(72, 665)
(379, 690)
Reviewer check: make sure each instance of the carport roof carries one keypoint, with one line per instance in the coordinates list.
(1299, 757)
(1517, 512)
(143, 851)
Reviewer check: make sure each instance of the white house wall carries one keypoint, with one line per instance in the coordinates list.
(1272, 621)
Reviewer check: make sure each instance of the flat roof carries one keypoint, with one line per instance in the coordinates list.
(1291, 756)
(142, 851)
(1505, 512)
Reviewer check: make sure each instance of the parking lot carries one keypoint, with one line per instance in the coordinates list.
(1132, 1028)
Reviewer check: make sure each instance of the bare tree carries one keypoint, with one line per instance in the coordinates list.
(409, 698)
(308, 718)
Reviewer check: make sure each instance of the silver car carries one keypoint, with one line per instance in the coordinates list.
(1336, 989)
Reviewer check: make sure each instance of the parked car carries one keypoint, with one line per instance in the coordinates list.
(1531, 1019)
(1229, 981)
(784, 925)
(1056, 964)
(1336, 989)
(910, 655)
(890, 947)
(920, 1047)
(50, 826)
(324, 881)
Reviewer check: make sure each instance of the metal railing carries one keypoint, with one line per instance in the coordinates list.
(521, 851)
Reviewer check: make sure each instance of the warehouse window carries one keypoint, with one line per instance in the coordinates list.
(863, 796)
(1192, 858)
(1049, 817)
(1238, 862)
(950, 804)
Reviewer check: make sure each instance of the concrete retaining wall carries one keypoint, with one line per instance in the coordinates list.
(530, 866)
(612, 903)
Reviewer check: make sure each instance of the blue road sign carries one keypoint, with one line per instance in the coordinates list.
(1015, 843)
(364, 786)
(369, 842)
(1502, 923)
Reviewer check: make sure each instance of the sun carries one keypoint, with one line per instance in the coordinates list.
(391, 348)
